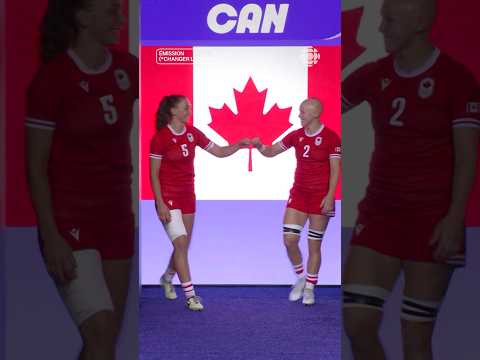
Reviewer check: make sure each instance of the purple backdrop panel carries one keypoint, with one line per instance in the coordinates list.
(238, 22)
(235, 242)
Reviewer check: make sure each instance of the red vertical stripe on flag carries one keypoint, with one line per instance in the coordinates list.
(324, 84)
(157, 81)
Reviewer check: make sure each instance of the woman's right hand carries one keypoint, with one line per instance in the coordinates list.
(59, 258)
(163, 212)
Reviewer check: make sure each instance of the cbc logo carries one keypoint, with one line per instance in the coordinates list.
(313, 56)
(310, 56)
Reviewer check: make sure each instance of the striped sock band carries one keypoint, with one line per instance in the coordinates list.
(168, 275)
(298, 270)
(315, 235)
(312, 280)
(188, 289)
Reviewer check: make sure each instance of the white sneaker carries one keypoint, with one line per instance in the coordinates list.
(168, 289)
(308, 297)
(297, 290)
(194, 303)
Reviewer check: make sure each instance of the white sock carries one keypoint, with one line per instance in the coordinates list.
(299, 270)
(168, 275)
(312, 280)
(188, 289)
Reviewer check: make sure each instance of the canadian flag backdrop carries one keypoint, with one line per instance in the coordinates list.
(236, 92)
(242, 92)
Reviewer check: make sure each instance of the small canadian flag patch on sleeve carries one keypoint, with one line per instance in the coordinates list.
(473, 107)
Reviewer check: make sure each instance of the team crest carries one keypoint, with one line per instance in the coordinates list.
(190, 137)
(426, 87)
(318, 140)
(174, 140)
(170, 202)
(122, 79)
(301, 139)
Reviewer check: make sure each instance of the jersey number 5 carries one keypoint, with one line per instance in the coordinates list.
(110, 112)
(184, 149)
(398, 105)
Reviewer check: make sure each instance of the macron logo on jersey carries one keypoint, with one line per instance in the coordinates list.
(75, 233)
(385, 83)
(84, 85)
(251, 17)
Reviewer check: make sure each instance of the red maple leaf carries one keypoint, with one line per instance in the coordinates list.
(250, 121)
(350, 47)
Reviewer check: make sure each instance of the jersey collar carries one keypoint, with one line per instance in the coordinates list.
(85, 69)
(174, 132)
(420, 70)
(316, 132)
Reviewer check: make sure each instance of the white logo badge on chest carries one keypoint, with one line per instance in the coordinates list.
(122, 79)
(318, 140)
(426, 88)
(190, 137)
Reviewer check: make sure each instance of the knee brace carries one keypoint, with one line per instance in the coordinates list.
(292, 229)
(356, 295)
(175, 228)
(419, 310)
(88, 293)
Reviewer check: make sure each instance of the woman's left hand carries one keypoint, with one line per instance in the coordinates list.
(327, 204)
(448, 238)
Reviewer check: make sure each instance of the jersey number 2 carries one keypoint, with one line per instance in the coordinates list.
(307, 150)
(398, 105)
(110, 112)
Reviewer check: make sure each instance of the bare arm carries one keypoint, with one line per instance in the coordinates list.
(267, 151)
(465, 142)
(225, 151)
(162, 209)
(334, 176)
(38, 144)
(57, 253)
(448, 236)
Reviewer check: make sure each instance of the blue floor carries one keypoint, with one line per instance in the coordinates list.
(240, 323)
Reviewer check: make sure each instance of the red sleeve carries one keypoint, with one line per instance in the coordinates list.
(355, 88)
(335, 147)
(287, 142)
(43, 100)
(201, 140)
(465, 106)
(157, 147)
